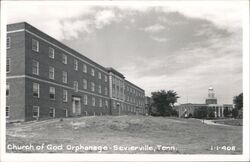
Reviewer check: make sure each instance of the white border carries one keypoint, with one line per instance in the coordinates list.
(122, 157)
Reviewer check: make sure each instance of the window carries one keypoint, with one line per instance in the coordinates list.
(65, 111)
(85, 100)
(93, 101)
(100, 89)
(51, 52)
(8, 43)
(105, 78)
(35, 45)
(92, 72)
(64, 58)
(106, 91)
(52, 93)
(36, 111)
(52, 112)
(35, 67)
(92, 86)
(84, 68)
(7, 111)
(8, 65)
(65, 95)
(85, 84)
(75, 64)
(76, 86)
(100, 102)
(64, 77)
(51, 72)
(7, 89)
(36, 90)
(113, 92)
(99, 75)
(106, 103)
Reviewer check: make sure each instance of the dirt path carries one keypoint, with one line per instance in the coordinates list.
(31, 124)
(211, 122)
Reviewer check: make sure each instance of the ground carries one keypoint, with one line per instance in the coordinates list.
(179, 136)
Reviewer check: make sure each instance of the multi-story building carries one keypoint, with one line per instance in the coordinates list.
(47, 79)
(126, 98)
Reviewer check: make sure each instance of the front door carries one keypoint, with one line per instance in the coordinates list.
(76, 106)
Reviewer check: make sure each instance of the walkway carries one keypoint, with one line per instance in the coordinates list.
(212, 122)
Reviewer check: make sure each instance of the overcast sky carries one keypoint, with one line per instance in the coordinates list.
(179, 46)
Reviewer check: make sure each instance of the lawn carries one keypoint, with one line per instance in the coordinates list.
(124, 134)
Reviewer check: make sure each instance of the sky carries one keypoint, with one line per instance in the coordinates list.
(182, 46)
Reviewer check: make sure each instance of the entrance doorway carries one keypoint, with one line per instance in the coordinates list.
(76, 106)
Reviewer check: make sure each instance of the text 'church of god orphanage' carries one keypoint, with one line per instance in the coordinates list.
(47, 79)
(188, 109)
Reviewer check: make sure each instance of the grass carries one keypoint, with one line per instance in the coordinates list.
(187, 136)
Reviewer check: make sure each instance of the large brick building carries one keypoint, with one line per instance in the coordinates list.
(47, 79)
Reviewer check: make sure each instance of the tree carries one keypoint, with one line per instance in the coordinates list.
(226, 112)
(235, 113)
(238, 101)
(201, 112)
(238, 110)
(164, 102)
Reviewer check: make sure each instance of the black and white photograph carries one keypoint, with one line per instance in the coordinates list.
(125, 80)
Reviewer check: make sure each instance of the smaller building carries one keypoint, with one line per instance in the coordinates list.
(210, 109)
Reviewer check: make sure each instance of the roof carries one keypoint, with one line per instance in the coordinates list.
(110, 69)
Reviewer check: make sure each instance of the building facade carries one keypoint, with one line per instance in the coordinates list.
(126, 98)
(210, 106)
(47, 79)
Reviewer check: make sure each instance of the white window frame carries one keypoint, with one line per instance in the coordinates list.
(92, 86)
(54, 112)
(52, 91)
(64, 59)
(36, 66)
(7, 89)
(65, 95)
(106, 103)
(38, 90)
(106, 91)
(93, 101)
(35, 43)
(84, 68)
(64, 77)
(100, 89)
(66, 113)
(8, 65)
(7, 108)
(105, 78)
(76, 64)
(51, 52)
(85, 99)
(99, 75)
(92, 72)
(100, 102)
(75, 86)
(51, 72)
(85, 84)
(8, 43)
(38, 111)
